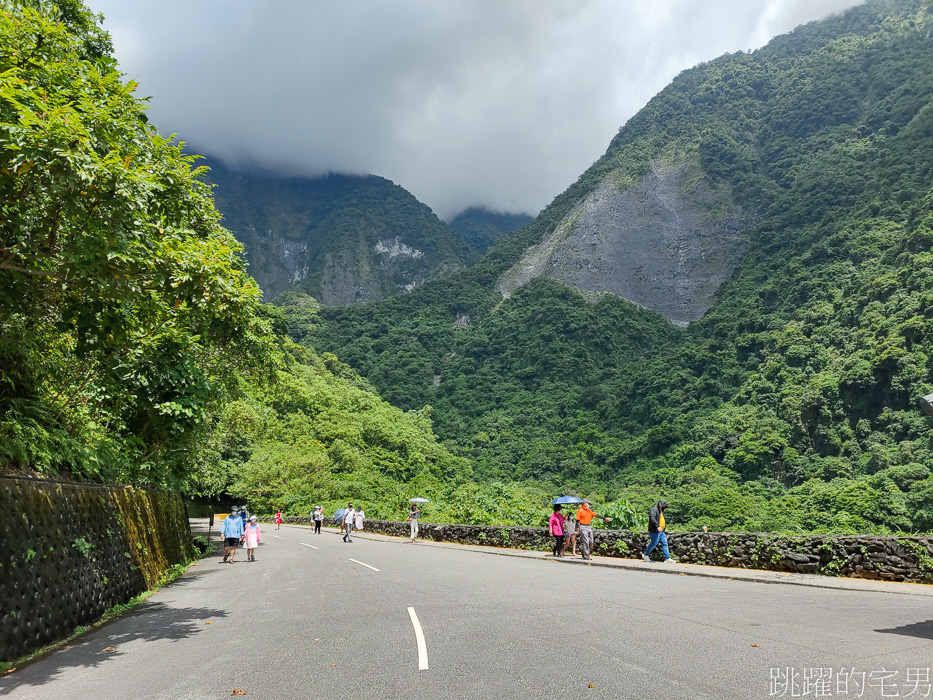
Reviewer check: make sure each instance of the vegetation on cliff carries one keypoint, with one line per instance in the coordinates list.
(792, 403)
(342, 239)
(126, 317)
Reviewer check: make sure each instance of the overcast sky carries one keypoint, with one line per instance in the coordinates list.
(495, 103)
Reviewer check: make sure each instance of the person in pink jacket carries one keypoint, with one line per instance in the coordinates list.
(252, 535)
(556, 526)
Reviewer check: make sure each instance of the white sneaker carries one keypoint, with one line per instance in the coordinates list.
(670, 560)
(646, 557)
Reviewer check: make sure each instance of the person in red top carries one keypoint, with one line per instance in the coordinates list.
(584, 518)
(278, 519)
(556, 526)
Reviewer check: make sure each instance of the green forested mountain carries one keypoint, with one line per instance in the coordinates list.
(792, 402)
(320, 435)
(133, 346)
(481, 228)
(341, 238)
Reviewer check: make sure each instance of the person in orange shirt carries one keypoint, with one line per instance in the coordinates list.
(584, 518)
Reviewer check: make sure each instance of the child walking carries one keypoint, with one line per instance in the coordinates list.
(253, 535)
(278, 519)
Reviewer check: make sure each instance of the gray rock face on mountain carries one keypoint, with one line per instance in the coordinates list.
(342, 239)
(666, 243)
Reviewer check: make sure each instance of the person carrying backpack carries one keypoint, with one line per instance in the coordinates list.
(656, 533)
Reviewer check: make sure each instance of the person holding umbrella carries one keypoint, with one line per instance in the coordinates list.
(570, 525)
(584, 518)
(556, 526)
(413, 515)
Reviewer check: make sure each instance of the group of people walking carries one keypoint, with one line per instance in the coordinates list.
(566, 531)
(349, 519)
(240, 528)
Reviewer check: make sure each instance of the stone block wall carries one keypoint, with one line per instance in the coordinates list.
(872, 557)
(72, 551)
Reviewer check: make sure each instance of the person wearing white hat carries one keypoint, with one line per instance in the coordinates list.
(252, 535)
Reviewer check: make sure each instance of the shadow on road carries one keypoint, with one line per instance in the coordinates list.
(146, 622)
(924, 630)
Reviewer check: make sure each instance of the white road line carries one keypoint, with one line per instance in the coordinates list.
(419, 637)
(366, 565)
(277, 537)
(308, 545)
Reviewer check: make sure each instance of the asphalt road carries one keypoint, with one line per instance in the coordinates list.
(305, 622)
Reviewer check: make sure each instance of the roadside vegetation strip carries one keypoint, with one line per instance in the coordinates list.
(419, 638)
(366, 565)
(307, 545)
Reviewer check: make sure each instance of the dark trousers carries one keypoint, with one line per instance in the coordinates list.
(558, 544)
(317, 526)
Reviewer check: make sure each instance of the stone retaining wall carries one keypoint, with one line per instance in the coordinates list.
(72, 551)
(872, 557)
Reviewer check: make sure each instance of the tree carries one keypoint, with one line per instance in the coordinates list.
(126, 314)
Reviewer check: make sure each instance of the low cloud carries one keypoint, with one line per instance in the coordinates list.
(495, 103)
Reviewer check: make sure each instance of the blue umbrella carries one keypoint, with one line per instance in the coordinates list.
(566, 499)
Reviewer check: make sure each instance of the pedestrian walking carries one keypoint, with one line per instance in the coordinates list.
(231, 530)
(252, 537)
(348, 524)
(570, 534)
(656, 533)
(413, 516)
(318, 517)
(584, 518)
(338, 516)
(278, 518)
(556, 526)
(359, 517)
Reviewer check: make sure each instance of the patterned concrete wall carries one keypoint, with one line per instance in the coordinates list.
(72, 551)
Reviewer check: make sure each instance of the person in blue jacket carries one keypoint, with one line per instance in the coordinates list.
(232, 531)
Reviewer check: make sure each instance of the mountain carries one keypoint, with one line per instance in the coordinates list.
(481, 228)
(780, 204)
(340, 238)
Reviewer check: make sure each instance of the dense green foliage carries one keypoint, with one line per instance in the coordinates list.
(323, 234)
(126, 317)
(792, 403)
(481, 227)
(320, 435)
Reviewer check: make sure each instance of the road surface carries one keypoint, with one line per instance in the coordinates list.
(314, 617)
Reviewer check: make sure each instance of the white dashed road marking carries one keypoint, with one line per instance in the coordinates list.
(366, 565)
(419, 637)
(277, 537)
(308, 545)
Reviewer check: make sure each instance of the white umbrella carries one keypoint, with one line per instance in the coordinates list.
(418, 500)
